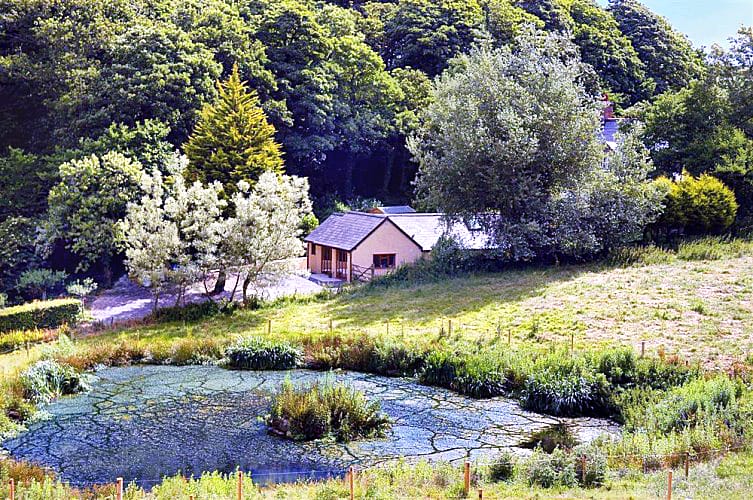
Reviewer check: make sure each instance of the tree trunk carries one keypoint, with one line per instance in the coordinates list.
(219, 285)
(246, 282)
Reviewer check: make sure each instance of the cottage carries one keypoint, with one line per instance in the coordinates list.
(356, 246)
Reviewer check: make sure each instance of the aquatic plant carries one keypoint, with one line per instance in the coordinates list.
(255, 353)
(47, 379)
(325, 409)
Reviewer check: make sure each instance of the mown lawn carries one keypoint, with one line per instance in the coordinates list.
(701, 310)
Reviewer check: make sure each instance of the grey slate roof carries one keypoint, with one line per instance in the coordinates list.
(426, 229)
(345, 231)
(399, 209)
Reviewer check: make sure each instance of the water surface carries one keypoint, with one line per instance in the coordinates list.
(143, 423)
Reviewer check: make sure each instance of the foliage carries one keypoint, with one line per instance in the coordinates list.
(46, 314)
(47, 379)
(669, 58)
(232, 141)
(25, 180)
(81, 288)
(17, 250)
(425, 35)
(567, 391)
(699, 205)
(536, 178)
(12, 340)
(550, 438)
(37, 283)
(363, 353)
(596, 465)
(325, 409)
(192, 312)
(503, 467)
(550, 469)
(254, 353)
(87, 203)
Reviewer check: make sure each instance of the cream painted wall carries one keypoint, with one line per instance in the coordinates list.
(385, 240)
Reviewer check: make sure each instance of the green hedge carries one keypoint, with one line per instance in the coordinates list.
(45, 314)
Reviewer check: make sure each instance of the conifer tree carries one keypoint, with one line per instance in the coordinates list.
(233, 141)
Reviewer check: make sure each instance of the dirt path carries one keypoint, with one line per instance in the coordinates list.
(128, 301)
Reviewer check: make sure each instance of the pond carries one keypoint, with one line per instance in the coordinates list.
(142, 423)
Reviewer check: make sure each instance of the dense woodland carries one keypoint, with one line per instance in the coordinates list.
(94, 93)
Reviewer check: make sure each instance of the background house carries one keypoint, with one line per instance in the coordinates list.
(356, 246)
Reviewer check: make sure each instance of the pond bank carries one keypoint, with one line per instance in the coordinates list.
(145, 422)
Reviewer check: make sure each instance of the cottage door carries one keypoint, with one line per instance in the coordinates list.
(327, 261)
(342, 265)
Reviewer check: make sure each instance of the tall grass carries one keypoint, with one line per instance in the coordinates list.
(325, 409)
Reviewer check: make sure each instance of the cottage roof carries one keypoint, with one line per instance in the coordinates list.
(346, 231)
(427, 229)
(393, 210)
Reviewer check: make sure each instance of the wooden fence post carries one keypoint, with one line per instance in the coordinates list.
(449, 327)
(269, 327)
(12, 488)
(467, 478)
(643, 348)
(351, 473)
(240, 485)
(480, 494)
(669, 486)
(572, 343)
(330, 326)
(119, 489)
(583, 469)
(388, 326)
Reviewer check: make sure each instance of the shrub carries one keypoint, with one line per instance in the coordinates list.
(254, 353)
(503, 468)
(362, 353)
(567, 394)
(11, 341)
(478, 376)
(37, 283)
(46, 314)
(47, 379)
(192, 312)
(596, 465)
(81, 288)
(695, 403)
(551, 437)
(548, 470)
(698, 205)
(325, 409)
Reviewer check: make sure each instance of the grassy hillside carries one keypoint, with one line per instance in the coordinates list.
(699, 309)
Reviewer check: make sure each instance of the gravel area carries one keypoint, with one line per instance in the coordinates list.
(128, 301)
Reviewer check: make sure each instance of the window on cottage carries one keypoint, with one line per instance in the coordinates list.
(313, 249)
(384, 261)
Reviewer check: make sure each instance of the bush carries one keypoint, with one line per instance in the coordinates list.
(567, 394)
(254, 353)
(596, 465)
(366, 354)
(702, 205)
(478, 376)
(503, 468)
(640, 255)
(47, 379)
(11, 341)
(37, 283)
(325, 409)
(548, 470)
(47, 314)
(192, 312)
(552, 437)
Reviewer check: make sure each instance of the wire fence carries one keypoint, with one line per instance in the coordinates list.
(357, 482)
